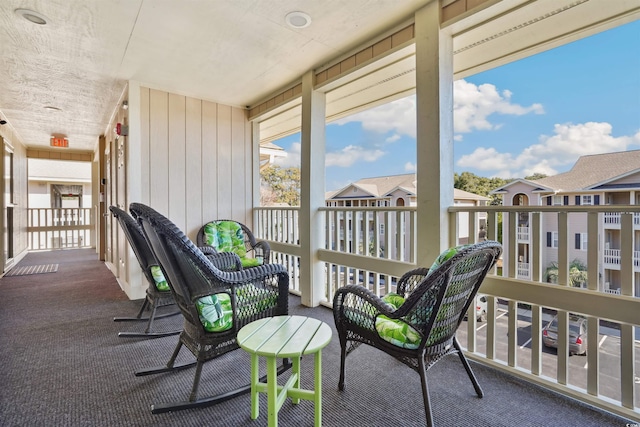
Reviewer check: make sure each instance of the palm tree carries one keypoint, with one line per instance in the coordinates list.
(577, 273)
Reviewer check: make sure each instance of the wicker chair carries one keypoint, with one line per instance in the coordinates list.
(158, 293)
(252, 253)
(417, 324)
(200, 289)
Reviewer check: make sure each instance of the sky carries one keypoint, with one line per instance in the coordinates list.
(536, 115)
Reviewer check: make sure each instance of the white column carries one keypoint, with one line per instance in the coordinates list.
(434, 109)
(311, 192)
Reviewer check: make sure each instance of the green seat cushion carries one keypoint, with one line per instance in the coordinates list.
(228, 236)
(215, 312)
(396, 331)
(158, 278)
(250, 262)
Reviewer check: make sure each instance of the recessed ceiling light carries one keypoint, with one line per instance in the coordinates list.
(52, 108)
(298, 19)
(32, 16)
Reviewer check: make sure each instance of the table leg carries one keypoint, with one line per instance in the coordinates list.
(295, 370)
(255, 378)
(317, 402)
(272, 391)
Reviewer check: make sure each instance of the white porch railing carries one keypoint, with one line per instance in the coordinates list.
(523, 270)
(356, 251)
(613, 257)
(59, 228)
(614, 218)
(523, 234)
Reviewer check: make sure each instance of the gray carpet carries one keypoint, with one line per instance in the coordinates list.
(64, 365)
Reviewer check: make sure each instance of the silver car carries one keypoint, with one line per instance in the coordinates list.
(577, 334)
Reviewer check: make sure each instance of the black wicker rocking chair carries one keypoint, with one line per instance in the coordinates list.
(252, 252)
(195, 281)
(156, 296)
(416, 325)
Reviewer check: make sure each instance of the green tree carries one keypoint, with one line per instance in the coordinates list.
(535, 176)
(480, 185)
(280, 185)
(577, 273)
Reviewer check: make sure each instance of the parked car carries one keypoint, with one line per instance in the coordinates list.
(481, 308)
(577, 334)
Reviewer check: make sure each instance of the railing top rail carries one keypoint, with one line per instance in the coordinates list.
(572, 208)
(279, 208)
(368, 208)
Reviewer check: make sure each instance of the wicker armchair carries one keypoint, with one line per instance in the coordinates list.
(416, 325)
(215, 304)
(232, 236)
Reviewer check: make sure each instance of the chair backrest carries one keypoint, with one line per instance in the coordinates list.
(186, 268)
(436, 304)
(225, 236)
(137, 241)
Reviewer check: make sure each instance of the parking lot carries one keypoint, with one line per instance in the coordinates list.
(608, 346)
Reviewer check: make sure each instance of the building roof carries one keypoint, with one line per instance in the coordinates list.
(382, 186)
(591, 170)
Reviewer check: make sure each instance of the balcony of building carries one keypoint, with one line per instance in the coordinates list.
(612, 221)
(516, 291)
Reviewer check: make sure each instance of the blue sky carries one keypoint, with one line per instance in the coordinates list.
(538, 114)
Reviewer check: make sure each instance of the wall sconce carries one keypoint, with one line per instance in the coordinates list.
(125, 105)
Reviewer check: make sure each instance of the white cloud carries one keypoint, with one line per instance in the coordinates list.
(293, 157)
(472, 107)
(393, 138)
(552, 153)
(352, 154)
(410, 167)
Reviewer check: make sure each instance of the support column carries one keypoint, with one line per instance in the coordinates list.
(434, 110)
(311, 222)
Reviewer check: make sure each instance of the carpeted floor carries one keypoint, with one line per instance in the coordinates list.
(64, 365)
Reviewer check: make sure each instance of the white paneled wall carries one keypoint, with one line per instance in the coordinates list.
(197, 156)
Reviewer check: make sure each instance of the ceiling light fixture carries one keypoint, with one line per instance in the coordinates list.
(32, 16)
(125, 105)
(298, 19)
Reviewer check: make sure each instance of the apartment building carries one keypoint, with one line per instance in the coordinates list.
(399, 191)
(602, 179)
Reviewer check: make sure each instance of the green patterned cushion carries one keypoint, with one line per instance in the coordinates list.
(158, 278)
(215, 312)
(227, 236)
(396, 331)
(445, 256)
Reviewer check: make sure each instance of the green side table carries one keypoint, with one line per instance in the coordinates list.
(284, 337)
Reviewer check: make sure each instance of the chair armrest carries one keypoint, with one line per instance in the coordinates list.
(262, 248)
(357, 304)
(225, 261)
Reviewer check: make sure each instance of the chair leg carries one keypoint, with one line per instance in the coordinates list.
(169, 367)
(151, 317)
(467, 367)
(196, 382)
(425, 392)
(343, 356)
